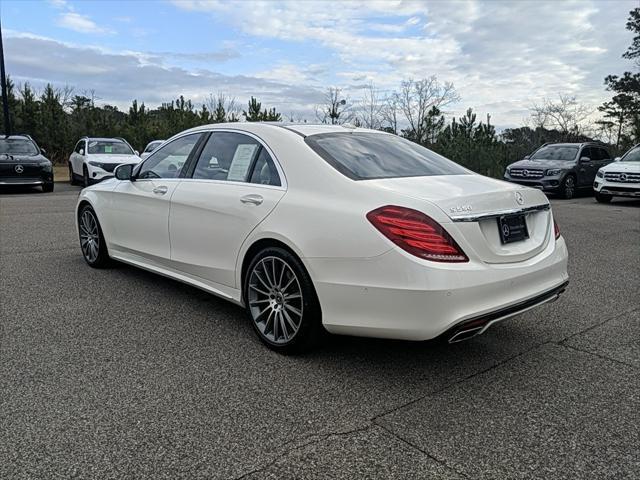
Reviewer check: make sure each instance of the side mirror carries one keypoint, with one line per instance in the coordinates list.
(585, 159)
(81, 152)
(526, 157)
(617, 159)
(124, 171)
(43, 151)
(137, 153)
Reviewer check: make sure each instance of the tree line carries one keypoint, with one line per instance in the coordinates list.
(58, 117)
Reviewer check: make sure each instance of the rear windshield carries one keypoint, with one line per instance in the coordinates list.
(113, 147)
(555, 152)
(632, 155)
(17, 146)
(362, 156)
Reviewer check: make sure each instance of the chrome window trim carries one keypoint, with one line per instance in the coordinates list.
(283, 178)
(514, 211)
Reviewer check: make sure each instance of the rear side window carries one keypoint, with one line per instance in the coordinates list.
(362, 156)
(238, 158)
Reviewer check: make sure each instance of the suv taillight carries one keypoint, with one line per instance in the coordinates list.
(416, 233)
(556, 229)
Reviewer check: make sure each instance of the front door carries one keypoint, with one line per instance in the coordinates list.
(141, 207)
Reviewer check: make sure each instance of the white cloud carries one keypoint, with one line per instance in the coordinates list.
(80, 23)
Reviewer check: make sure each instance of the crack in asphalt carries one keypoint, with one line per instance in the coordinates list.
(602, 357)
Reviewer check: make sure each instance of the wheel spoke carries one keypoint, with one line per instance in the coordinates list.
(253, 287)
(293, 309)
(292, 297)
(257, 275)
(258, 302)
(290, 321)
(284, 266)
(283, 327)
(266, 274)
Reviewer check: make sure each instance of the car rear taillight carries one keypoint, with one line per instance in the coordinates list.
(556, 229)
(416, 233)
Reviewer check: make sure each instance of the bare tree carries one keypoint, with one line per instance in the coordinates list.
(417, 97)
(565, 114)
(390, 110)
(370, 108)
(335, 109)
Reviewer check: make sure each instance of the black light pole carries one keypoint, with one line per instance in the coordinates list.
(5, 98)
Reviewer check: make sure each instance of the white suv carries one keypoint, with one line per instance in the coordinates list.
(620, 178)
(94, 159)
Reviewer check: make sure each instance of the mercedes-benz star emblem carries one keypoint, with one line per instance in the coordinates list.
(525, 173)
(623, 177)
(19, 168)
(519, 198)
(505, 230)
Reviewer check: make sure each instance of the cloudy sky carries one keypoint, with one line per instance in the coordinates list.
(501, 56)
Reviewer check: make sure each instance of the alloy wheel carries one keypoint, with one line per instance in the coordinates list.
(89, 236)
(569, 186)
(275, 300)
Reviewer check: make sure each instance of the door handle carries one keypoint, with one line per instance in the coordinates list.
(252, 199)
(160, 190)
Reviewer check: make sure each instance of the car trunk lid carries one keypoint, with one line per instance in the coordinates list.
(474, 204)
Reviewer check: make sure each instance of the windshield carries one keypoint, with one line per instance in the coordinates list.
(362, 156)
(555, 152)
(109, 147)
(17, 146)
(632, 155)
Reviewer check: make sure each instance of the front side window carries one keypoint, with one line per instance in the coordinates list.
(555, 152)
(604, 154)
(168, 161)
(109, 147)
(587, 152)
(227, 156)
(17, 146)
(79, 146)
(362, 156)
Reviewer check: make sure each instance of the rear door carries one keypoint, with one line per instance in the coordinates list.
(234, 185)
(139, 209)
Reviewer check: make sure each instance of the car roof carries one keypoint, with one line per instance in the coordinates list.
(302, 129)
(573, 144)
(104, 138)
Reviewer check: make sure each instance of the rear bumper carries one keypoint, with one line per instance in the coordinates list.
(393, 296)
(477, 326)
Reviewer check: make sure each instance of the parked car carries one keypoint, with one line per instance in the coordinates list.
(355, 231)
(619, 179)
(22, 162)
(94, 159)
(151, 146)
(560, 168)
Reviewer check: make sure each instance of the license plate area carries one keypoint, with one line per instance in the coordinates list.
(512, 228)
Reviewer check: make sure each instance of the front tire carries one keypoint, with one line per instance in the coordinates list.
(603, 197)
(281, 302)
(47, 187)
(568, 189)
(92, 243)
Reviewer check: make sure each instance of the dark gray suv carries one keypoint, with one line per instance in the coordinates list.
(560, 168)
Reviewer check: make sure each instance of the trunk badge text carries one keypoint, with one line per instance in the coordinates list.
(461, 208)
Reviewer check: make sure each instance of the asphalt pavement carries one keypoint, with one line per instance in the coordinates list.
(120, 373)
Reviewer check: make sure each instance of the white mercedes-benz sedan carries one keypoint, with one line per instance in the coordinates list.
(314, 228)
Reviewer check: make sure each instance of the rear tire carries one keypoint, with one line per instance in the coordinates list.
(603, 197)
(92, 243)
(568, 188)
(281, 302)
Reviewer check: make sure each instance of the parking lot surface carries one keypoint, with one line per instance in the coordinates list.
(121, 373)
